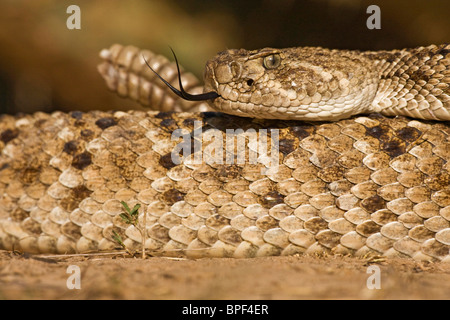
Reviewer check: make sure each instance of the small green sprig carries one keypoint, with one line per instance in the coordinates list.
(119, 240)
(131, 216)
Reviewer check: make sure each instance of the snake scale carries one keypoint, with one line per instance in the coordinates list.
(342, 183)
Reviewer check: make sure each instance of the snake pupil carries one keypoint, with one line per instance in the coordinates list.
(272, 61)
(250, 82)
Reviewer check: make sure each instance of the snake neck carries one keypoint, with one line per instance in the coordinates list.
(413, 83)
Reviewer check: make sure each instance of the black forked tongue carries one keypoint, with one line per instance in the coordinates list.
(181, 93)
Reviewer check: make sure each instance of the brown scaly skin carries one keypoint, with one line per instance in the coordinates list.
(368, 184)
(310, 83)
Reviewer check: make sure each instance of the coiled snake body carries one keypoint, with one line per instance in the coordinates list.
(367, 184)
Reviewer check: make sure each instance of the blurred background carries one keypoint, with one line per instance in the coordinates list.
(45, 67)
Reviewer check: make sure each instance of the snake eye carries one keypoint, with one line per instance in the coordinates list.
(272, 61)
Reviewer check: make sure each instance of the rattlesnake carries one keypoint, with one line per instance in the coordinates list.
(366, 184)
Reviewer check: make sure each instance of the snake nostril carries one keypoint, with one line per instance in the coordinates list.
(250, 82)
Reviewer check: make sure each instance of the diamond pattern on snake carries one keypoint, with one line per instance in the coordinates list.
(363, 158)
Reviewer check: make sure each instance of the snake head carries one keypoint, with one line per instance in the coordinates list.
(294, 83)
(307, 83)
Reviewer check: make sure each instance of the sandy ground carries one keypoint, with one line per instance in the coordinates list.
(303, 277)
